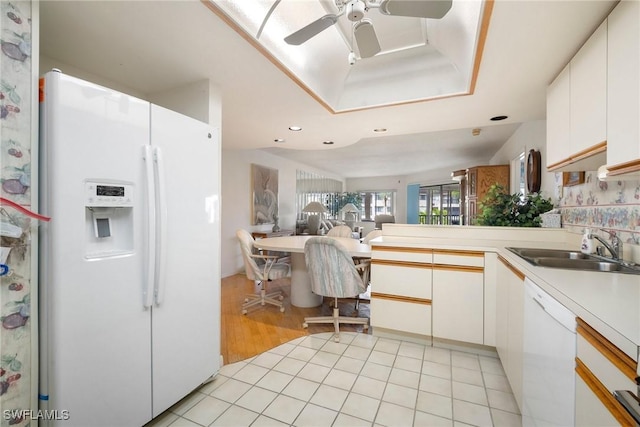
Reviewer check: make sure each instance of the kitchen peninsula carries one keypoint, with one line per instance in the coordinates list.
(460, 286)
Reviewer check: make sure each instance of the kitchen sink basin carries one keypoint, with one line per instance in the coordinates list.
(572, 260)
(578, 264)
(548, 253)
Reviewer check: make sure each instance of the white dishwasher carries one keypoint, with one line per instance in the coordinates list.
(549, 352)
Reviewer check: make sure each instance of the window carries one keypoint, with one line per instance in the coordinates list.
(518, 173)
(313, 187)
(377, 203)
(439, 204)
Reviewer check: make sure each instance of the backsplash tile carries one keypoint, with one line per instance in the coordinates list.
(610, 205)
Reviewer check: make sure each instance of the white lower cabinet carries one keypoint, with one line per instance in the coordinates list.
(401, 290)
(433, 292)
(400, 315)
(590, 411)
(601, 368)
(510, 324)
(458, 296)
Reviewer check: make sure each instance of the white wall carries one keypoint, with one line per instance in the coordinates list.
(530, 135)
(47, 64)
(236, 199)
(201, 100)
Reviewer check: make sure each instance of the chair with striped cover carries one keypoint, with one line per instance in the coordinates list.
(333, 274)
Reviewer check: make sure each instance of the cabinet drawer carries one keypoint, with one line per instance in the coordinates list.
(403, 280)
(610, 365)
(601, 368)
(411, 317)
(402, 254)
(590, 410)
(463, 258)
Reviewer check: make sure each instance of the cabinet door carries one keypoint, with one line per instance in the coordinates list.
(510, 324)
(502, 309)
(589, 93)
(559, 118)
(515, 330)
(472, 177)
(623, 102)
(458, 302)
(473, 211)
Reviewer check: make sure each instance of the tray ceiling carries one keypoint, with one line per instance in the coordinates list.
(420, 58)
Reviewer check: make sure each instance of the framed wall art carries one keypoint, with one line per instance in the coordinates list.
(572, 178)
(264, 193)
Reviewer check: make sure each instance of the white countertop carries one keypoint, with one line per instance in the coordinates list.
(296, 244)
(608, 301)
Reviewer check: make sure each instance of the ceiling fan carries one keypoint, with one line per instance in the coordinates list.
(364, 33)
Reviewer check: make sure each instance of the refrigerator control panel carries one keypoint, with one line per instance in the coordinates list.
(102, 194)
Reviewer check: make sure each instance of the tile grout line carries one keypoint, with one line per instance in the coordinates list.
(371, 347)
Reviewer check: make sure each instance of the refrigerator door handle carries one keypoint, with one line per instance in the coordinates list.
(161, 243)
(151, 228)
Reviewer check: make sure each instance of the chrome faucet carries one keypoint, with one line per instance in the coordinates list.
(615, 247)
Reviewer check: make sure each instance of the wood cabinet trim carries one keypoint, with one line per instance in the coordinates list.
(411, 264)
(401, 249)
(399, 298)
(601, 392)
(510, 266)
(458, 252)
(463, 268)
(626, 167)
(620, 360)
(598, 148)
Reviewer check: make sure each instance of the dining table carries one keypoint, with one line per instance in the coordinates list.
(301, 294)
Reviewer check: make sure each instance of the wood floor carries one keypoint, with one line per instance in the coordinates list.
(265, 327)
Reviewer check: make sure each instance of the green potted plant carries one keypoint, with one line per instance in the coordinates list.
(499, 208)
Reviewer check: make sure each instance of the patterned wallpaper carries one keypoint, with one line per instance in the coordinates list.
(17, 101)
(612, 205)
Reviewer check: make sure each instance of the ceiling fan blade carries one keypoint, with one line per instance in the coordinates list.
(366, 39)
(435, 9)
(315, 28)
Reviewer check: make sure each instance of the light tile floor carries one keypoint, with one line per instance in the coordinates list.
(361, 381)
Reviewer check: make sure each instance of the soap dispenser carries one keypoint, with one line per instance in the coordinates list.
(587, 243)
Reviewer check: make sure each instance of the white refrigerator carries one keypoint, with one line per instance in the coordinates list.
(130, 261)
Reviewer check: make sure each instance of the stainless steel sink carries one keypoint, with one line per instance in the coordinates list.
(572, 260)
(578, 264)
(548, 253)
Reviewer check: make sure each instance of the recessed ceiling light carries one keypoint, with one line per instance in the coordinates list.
(498, 118)
(278, 140)
(380, 130)
(327, 142)
(295, 128)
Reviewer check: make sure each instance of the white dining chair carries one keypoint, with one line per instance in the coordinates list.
(261, 268)
(340, 231)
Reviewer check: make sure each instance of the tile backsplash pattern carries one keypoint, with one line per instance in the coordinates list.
(16, 107)
(610, 205)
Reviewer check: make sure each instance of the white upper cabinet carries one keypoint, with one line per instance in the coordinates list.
(559, 118)
(577, 109)
(623, 103)
(589, 93)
